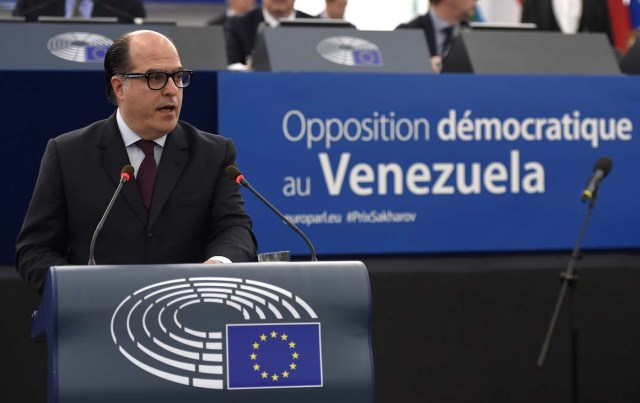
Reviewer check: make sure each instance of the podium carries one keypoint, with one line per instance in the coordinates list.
(245, 332)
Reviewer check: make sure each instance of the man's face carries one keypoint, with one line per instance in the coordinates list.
(149, 113)
(279, 8)
(335, 8)
(464, 9)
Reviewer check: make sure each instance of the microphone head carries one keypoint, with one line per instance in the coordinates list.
(234, 173)
(127, 172)
(604, 164)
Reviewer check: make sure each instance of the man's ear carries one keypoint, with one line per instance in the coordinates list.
(117, 83)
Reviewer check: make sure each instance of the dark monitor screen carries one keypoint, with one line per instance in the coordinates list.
(530, 52)
(340, 49)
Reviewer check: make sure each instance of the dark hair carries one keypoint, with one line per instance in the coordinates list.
(434, 1)
(116, 61)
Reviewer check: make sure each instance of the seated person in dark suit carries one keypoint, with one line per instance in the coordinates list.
(180, 208)
(125, 10)
(441, 24)
(582, 16)
(235, 8)
(241, 31)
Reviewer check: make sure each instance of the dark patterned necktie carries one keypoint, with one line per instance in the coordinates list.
(448, 39)
(146, 177)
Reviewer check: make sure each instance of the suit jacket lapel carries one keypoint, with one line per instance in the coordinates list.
(431, 34)
(114, 155)
(173, 161)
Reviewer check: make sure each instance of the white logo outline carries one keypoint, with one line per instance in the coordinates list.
(200, 353)
(73, 46)
(340, 50)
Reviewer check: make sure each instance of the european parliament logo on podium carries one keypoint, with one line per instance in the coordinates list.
(152, 328)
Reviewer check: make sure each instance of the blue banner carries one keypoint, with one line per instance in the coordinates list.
(379, 163)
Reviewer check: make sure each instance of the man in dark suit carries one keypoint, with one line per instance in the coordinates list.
(125, 10)
(193, 213)
(440, 25)
(594, 16)
(241, 31)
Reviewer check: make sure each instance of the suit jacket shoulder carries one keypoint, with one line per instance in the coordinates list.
(220, 19)
(424, 23)
(241, 35)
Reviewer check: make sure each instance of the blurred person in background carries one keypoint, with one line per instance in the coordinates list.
(441, 24)
(126, 11)
(568, 16)
(241, 31)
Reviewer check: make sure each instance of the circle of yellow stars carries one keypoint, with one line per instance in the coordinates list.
(276, 376)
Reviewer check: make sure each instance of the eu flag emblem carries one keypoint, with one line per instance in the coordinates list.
(368, 57)
(284, 355)
(95, 53)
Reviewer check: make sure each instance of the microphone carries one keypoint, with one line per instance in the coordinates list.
(234, 174)
(125, 176)
(600, 170)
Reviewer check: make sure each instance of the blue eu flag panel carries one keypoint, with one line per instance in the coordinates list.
(283, 355)
(369, 57)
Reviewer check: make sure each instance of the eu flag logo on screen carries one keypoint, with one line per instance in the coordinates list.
(96, 53)
(368, 57)
(283, 355)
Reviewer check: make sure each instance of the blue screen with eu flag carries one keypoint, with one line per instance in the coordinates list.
(95, 54)
(274, 355)
(369, 57)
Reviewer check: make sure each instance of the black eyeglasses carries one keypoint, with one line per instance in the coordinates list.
(157, 80)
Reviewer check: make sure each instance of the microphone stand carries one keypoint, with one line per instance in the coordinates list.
(234, 174)
(92, 261)
(569, 282)
(291, 225)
